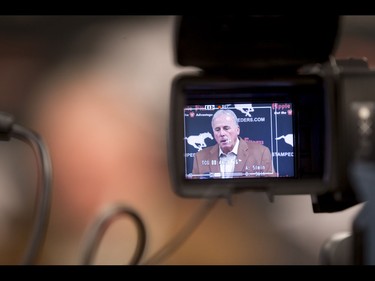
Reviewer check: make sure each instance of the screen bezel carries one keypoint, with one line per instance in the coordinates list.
(287, 88)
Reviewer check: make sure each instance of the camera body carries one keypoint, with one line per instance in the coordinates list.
(315, 115)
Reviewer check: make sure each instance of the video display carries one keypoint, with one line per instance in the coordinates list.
(239, 140)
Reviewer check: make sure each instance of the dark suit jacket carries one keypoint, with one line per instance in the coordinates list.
(252, 157)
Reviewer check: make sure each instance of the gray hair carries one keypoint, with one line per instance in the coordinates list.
(226, 112)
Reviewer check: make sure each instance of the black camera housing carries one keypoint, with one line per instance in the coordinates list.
(272, 60)
(254, 42)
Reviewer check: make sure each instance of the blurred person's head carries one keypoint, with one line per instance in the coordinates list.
(103, 126)
(30, 46)
(105, 143)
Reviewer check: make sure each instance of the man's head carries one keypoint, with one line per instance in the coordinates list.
(226, 130)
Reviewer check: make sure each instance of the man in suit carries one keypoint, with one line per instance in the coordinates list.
(232, 156)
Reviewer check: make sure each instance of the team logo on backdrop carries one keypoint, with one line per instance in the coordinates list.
(287, 138)
(198, 142)
(245, 108)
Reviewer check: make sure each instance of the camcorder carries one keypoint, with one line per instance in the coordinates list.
(311, 113)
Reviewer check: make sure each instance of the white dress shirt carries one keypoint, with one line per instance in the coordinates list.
(228, 161)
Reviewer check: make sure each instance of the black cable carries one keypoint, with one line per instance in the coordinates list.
(43, 201)
(99, 227)
(6, 126)
(44, 195)
(184, 233)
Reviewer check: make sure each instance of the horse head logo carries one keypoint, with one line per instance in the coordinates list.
(198, 142)
(288, 139)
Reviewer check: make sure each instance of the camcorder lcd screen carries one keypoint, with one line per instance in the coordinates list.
(262, 140)
(241, 134)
